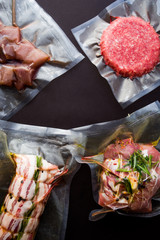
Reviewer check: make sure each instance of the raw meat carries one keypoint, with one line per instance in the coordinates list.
(130, 46)
(20, 59)
(130, 177)
(27, 196)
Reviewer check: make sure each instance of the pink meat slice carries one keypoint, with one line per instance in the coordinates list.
(150, 150)
(123, 148)
(130, 46)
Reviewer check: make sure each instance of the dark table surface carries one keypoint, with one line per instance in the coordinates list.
(77, 98)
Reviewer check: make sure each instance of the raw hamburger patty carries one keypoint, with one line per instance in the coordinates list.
(130, 46)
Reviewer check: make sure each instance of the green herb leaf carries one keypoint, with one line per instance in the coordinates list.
(39, 165)
(36, 189)
(150, 161)
(25, 221)
(23, 226)
(127, 185)
(118, 163)
(135, 161)
(36, 174)
(140, 163)
(29, 212)
(144, 169)
(123, 170)
(20, 234)
(126, 165)
(107, 173)
(154, 164)
(39, 161)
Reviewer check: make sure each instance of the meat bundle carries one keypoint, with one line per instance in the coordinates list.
(27, 196)
(19, 58)
(130, 177)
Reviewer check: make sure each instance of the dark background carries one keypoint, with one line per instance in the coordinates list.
(77, 98)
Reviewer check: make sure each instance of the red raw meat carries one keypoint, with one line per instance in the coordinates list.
(130, 46)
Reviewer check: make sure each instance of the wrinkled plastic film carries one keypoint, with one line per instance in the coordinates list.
(6, 167)
(88, 35)
(39, 28)
(143, 126)
(57, 146)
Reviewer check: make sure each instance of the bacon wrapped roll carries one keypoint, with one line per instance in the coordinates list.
(27, 196)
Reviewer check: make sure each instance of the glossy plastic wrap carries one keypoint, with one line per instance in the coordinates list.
(40, 29)
(88, 35)
(143, 126)
(59, 147)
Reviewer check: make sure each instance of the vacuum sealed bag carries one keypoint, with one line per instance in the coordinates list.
(36, 164)
(124, 158)
(89, 36)
(35, 48)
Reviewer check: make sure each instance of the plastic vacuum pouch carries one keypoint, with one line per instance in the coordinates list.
(41, 30)
(143, 126)
(59, 147)
(88, 35)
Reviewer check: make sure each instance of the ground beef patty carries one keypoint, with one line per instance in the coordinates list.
(130, 46)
